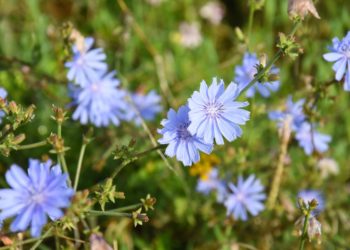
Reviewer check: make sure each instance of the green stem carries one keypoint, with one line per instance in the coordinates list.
(127, 208)
(304, 233)
(149, 150)
(47, 233)
(275, 58)
(109, 213)
(80, 163)
(63, 163)
(120, 168)
(32, 145)
(250, 22)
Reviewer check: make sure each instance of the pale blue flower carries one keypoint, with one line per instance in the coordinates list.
(148, 105)
(246, 72)
(340, 54)
(293, 110)
(180, 142)
(99, 102)
(33, 197)
(246, 196)
(87, 64)
(3, 95)
(309, 195)
(311, 140)
(215, 113)
(213, 183)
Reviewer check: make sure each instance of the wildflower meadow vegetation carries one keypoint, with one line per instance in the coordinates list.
(174, 124)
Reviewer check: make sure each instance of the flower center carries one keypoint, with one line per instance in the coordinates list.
(252, 72)
(213, 110)
(94, 87)
(240, 196)
(345, 48)
(182, 131)
(38, 198)
(80, 61)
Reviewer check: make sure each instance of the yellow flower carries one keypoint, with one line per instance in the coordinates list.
(204, 166)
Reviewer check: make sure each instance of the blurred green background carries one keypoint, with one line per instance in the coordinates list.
(142, 44)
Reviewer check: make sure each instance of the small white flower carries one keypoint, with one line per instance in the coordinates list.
(190, 35)
(213, 11)
(327, 166)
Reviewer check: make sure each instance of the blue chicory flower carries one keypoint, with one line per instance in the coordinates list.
(293, 110)
(309, 195)
(213, 183)
(99, 102)
(246, 196)
(340, 55)
(215, 113)
(311, 140)
(180, 142)
(148, 106)
(246, 72)
(3, 95)
(33, 197)
(87, 64)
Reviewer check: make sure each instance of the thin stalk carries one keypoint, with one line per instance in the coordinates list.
(303, 236)
(48, 232)
(80, 163)
(149, 150)
(120, 168)
(63, 163)
(109, 213)
(275, 58)
(250, 22)
(276, 182)
(32, 145)
(127, 208)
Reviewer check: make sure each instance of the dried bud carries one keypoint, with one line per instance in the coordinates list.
(149, 202)
(263, 59)
(139, 217)
(57, 143)
(313, 204)
(239, 34)
(29, 114)
(314, 228)
(327, 166)
(2, 103)
(18, 139)
(59, 114)
(300, 8)
(13, 107)
(99, 243)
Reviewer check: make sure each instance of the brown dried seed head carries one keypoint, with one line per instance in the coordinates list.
(302, 8)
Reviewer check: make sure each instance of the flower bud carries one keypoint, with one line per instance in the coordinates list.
(99, 243)
(13, 107)
(300, 8)
(314, 228)
(18, 139)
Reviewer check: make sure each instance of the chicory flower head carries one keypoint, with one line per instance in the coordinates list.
(309, 195)
(340, 55)
(87, 63)
(213, 183)
(180, 142)
(311, 140)
(34, 196)
(246, 196)
(215, 113)
(99, 102)
(245, 73)
(148, 105)
(293, 110)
